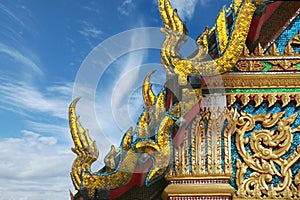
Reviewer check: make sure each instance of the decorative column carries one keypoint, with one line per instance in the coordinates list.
(202, 161)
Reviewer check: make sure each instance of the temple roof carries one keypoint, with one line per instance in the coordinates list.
(268, 23)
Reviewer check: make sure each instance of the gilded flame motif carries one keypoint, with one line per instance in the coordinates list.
(272, 61)
(259, 98)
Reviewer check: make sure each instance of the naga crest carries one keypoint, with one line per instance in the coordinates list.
(144, 155)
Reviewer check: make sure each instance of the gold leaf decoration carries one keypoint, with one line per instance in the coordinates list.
(285, 98)
(175, 32)
(297, 99)
(222, 30)
(245, 98)
(230, 99)
(288, 50)
(258, 99)
(205, 137)
(272, 98)
(237, 4)
(273, 50)
(245, 52)
(264, 159)
(118, 174)
(258, 51)
(255, 62)
(148, 94)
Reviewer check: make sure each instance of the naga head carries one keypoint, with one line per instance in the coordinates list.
(229, 41)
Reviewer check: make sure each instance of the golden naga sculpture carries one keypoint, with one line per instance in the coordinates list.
(230, 45)
(119, 170)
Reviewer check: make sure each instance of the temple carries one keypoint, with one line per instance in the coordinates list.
(226, 123)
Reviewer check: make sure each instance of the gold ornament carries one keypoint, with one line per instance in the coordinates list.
(264, 159)
(118, 174)
(231, 48)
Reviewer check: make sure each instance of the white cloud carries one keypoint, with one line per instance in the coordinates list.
(92, 6)
(90, 32)
(186, 8)
(61, 88)
(205, 2)
(22, 96)
(126, 82)
(11, 15)
(47, 188)
(20, 58)
(33, 165)
(57, 130)
(36, 139)
(126, 7)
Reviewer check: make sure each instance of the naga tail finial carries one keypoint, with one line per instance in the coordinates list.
(148, 94)
(85, 149)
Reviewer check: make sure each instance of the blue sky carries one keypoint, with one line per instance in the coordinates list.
(50, 52)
